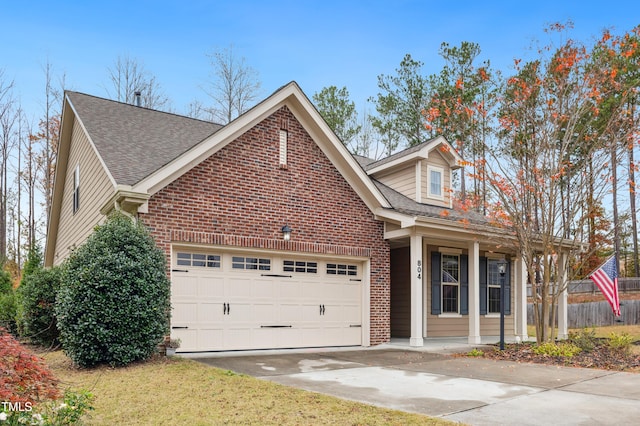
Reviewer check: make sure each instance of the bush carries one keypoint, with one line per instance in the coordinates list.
(585, 339)
(36, 299)
(113, 305)
(24, 378)
(565, 350)
(6, 286)
(620, 342)
(8, 312)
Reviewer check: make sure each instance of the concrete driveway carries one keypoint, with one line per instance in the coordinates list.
(469, 390)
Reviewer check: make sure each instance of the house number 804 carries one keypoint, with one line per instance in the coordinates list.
(419, 269)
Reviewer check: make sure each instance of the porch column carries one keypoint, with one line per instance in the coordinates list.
(417, 272)
(474, 293)
(563, 300)
(520, 299)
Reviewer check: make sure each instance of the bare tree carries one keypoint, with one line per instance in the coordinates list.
(128, 76)
(8, 118)
(235, 85)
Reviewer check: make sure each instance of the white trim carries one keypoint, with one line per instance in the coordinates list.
(449, 250)
(93, 146)
(430, 194)
(419, 181)
(453, 159)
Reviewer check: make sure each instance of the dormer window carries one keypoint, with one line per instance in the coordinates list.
(435, 182)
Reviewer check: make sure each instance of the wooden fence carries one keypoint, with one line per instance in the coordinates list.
(625, 285)
(596, 314)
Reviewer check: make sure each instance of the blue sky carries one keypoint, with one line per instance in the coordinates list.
(317, 44)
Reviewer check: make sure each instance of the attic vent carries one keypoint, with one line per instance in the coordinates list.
(284, 136)
(138, 97)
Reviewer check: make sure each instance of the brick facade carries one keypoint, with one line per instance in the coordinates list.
(240, 196)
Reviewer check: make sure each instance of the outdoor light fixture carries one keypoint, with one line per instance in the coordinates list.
(286, 232)
(502, 267)
(502, 270)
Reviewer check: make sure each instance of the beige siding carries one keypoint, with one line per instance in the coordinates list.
(458, 326)
(95, 189)
(436, 159)
(402, 180)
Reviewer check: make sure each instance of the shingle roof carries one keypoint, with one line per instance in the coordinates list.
(135, 141)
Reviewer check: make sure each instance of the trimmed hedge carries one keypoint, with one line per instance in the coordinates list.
(113, 306)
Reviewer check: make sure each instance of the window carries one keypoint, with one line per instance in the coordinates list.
(300, 266)
(493, 287)
(435, 182)
(450, 283)
(76, 189)
(198, 259)
(251, 263)
(341, 269)
(284, 136)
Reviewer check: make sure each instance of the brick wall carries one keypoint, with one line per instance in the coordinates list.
(241, 196)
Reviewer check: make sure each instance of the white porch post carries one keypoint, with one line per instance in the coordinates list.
(417, 272)
(563, 301)
(520, 299)
(474, 293)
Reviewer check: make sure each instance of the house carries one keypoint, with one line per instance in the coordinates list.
(276, 236)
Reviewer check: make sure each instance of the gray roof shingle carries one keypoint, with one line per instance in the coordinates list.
(134, 141)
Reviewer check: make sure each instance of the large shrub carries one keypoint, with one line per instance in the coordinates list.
(113, 305)
(36, 299)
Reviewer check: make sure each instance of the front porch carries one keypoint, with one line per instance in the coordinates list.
(445, 291)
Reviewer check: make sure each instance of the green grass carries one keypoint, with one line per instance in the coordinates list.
(181, 391)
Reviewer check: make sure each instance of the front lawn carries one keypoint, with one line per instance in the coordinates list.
(182, 391)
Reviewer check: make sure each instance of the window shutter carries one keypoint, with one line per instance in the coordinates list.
(483, 286)
(435, 284)
(464, 284)
(507, 290)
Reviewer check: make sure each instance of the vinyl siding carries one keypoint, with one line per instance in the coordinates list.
(436, 159)
(402, 180)
(444, 326)
(95, 189)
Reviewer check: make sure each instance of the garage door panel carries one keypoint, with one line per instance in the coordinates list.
(210, 312)
(188, 339)
(288, 289)
(210, 287)
(238, 287)
(264, 289)
(184, 313)
(228, 308)
(184, 286)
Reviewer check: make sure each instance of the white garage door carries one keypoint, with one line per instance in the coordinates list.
(231, 301)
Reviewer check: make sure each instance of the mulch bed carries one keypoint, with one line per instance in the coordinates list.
(602, 357)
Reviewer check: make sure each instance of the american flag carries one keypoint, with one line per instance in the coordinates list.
(606, 278)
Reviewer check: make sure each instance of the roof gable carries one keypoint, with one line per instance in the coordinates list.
(291, 96)
(420, 151)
